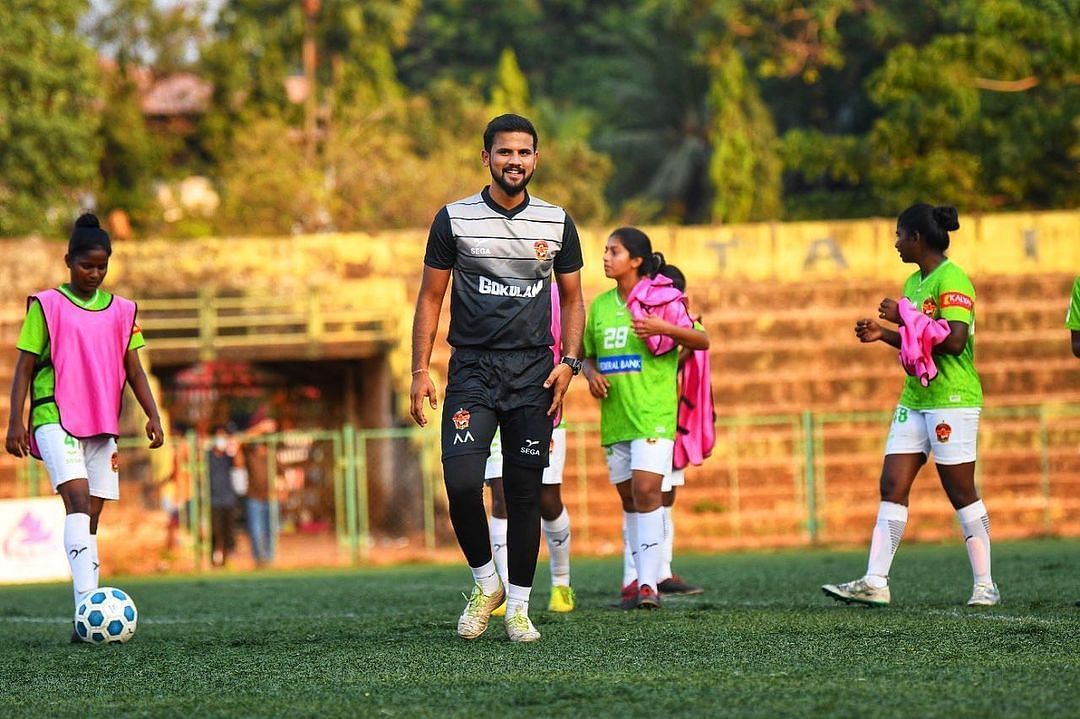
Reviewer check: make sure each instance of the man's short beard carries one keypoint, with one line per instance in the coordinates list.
(511, 190)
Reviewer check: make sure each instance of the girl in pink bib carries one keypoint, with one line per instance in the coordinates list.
(77, 349)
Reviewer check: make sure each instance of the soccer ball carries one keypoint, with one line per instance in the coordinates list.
(107, 615)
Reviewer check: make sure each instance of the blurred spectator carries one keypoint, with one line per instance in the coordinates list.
(220, 463)
(258, 492)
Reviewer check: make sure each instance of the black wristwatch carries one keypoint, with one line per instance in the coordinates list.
(573, 363)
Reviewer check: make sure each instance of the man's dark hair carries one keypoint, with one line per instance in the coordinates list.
(508, 123)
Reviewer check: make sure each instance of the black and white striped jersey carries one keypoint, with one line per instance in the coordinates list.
(502, 262)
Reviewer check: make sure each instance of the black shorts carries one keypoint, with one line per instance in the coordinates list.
(499, 388)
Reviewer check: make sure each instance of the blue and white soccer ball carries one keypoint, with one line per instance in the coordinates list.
(107, 615)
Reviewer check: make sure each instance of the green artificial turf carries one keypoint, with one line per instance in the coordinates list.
(762, 641)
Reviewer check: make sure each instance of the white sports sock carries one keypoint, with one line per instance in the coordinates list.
(650, 546)
(976, 525)
(888, 531)
(517, 599)
(77, 546)
(486, 577)
(557, 534)
(669, 543)
(629, 534)
(497, 530)
(95, 560)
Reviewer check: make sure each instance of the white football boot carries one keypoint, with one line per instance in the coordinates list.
(860, 592)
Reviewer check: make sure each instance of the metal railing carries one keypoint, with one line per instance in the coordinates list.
(772, 480)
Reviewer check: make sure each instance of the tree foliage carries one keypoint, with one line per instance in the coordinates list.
(48, 115)
(648, 110)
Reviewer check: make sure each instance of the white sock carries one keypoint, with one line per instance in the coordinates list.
(497, 530)
(95, 560)
(888, 531)
(976, 525)
(487, 577)
(557, 534)
(77, 546)
(669, 543)
(650, 546)
(517, 599)
(629, 534)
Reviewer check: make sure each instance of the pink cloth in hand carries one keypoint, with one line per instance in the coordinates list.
(919, 335)
(658, 296)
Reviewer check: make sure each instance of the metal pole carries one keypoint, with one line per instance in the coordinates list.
(733, 467)
(363, 524)
(1044, 469)
(583, 484)
(349, 439)
(193, 494)
(271, 482)
(809, 474)
(429, 494)
(341, 530)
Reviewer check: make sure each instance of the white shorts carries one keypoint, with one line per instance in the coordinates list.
(553, 473)
(950, 434)
(67, 458)
(674, 478)
(646, 455)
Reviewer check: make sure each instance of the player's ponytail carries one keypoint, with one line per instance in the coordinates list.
(932, 223)
(638, 245)
(87, 235)
(673, 273)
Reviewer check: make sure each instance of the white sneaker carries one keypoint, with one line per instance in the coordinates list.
(474, 620)
(860, 592)
(985, 594)
(520, 628)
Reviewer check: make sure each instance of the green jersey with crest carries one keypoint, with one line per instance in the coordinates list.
(946, 293)
(642, 401)
(1072, 317)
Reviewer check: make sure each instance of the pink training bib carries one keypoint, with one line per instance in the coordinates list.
(88, 348)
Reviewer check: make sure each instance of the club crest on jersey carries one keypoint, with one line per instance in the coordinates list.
(115, 462)
(542, 251)
(461, 419)
(929, 307)
(943, 432)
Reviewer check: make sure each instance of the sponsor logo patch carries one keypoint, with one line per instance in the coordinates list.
(957, 299)
(489, 286)
(619, 364)
(479, 251)
(463, 438)
(461, 419)
(531, 447)
(542, 251)
(943, 432)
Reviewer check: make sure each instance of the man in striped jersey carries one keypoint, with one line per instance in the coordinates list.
(503, 247)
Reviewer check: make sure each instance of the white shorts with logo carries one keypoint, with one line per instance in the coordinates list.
(553, 473)
(950, 434)
(674, 478)
(647, 455)
(67, 458)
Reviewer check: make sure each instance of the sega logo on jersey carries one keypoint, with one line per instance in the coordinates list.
(479, 251)
(491, 287)
(957, 299)
(619, 364)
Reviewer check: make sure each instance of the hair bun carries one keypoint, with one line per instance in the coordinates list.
(947, 218)
(88, 219)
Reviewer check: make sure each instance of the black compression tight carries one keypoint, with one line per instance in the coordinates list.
(464, 477)
(521, 486)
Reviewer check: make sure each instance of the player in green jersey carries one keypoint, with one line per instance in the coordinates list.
(1072, 317)
(638, 398)
(941, 417)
